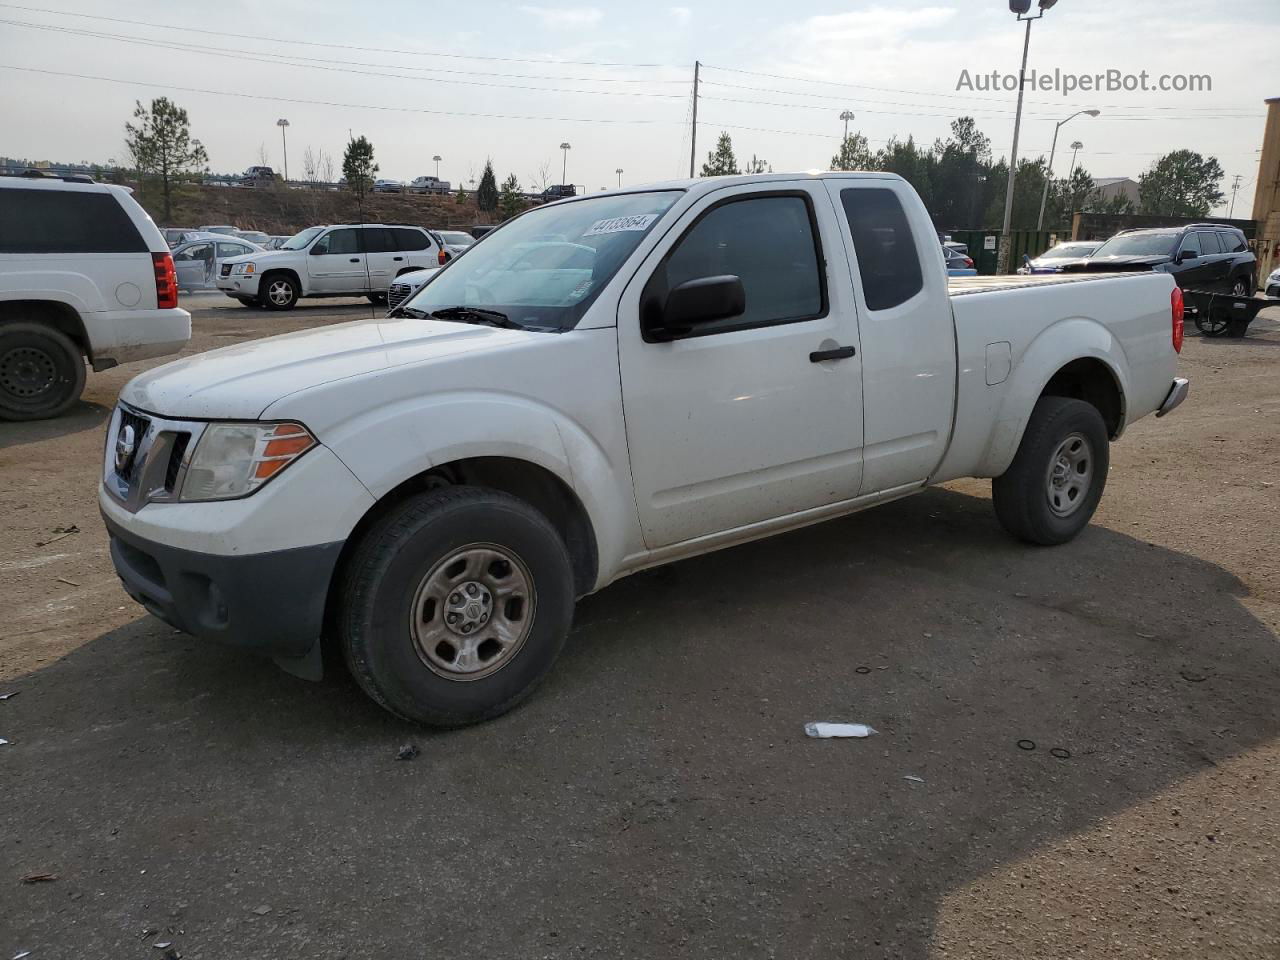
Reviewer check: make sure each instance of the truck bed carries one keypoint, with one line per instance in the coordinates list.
(960, 286)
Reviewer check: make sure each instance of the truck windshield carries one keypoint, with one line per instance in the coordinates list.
(1139, 245)
(544, 269)
(300, 241)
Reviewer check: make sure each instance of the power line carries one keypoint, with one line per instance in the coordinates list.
(327, 103)
(346, 68)
(294, 41)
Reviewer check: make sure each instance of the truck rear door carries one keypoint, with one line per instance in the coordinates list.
(906, 329)
(758, 415)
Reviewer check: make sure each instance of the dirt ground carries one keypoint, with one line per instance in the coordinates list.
(657, 797)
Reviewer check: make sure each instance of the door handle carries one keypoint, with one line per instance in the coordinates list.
(839, 353)
(355, 259)
(397, 259)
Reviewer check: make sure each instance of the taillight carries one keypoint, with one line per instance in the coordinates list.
(166, 280)
(968, 262)
(1176, 309)
(443, 256)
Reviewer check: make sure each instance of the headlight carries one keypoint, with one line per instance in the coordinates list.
(234, 459)
(247, 269)
(1275, 277)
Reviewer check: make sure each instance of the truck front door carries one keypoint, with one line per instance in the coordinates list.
(336, 263)
(907, 332)
(758, 415)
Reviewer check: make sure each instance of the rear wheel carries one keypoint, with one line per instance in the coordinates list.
(455, 604)
(278, 291)
(1052, 488)
(41, 371)
(1240, 287)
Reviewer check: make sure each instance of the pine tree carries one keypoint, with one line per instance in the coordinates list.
(487, 194)
(855, 154)
(510, 202)
(460, 198)
(358, 166)
(721, 162)
(161, 144)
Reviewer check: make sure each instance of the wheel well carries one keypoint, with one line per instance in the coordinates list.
(535, 485)
(292, 274)
(403, 270)
(1093, 382)
(60, 316)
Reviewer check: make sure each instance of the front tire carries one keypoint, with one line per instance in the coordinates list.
(454, 605)
(41, 371)
(1052, 488)
(278, 291)
(377, 299)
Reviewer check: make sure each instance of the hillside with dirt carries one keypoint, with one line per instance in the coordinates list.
(276, 209)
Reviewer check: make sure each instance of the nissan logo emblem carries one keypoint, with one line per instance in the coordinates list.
(126, 440)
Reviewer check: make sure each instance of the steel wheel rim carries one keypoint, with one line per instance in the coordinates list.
(27, 372)
(1070, 474)
(472, 612)
(280, 292)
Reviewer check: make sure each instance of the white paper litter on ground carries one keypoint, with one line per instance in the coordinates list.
(3, 741)
(826, 731)
(913, 778)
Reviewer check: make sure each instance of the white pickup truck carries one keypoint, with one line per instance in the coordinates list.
(599, 386)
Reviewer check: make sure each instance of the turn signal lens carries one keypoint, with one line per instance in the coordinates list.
(1176, 309)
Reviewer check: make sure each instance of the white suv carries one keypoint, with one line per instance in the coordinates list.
(84, 274)
(342, 260)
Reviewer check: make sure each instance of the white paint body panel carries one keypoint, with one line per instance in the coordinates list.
(672, 448)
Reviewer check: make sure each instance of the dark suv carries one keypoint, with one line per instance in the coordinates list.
(1201, 256)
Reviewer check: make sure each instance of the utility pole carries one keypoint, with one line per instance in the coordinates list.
(693, 133)
(437, 158)
(1002, 255)
(619, 173)
(1235, 188)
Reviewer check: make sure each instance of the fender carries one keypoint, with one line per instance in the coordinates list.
(1070, 339)
(390, 444)
(66, 287)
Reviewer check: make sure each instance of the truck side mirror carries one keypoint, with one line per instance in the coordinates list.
(700, 301)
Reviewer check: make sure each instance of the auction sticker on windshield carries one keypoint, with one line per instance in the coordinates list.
(621, 224)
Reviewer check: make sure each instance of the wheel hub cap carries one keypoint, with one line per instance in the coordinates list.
(26, 372)
(1070, 475)
(472, 612)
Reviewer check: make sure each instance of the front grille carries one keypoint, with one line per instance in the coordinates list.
(226, 269)
(139, 425)
(397, 294)
(180, 442)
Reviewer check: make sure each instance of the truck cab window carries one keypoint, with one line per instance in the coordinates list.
(769, 244)
(887, 258)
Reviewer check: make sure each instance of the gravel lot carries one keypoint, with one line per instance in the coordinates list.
(657, 796)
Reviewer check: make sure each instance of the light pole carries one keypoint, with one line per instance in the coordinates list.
(437, 159)
(619, 173)
(564, 167)
(1021, 8)
(846, 116)
(1048, 174)
(283, 124)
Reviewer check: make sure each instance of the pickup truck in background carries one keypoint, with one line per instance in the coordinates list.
(603, 385)
(429, 185)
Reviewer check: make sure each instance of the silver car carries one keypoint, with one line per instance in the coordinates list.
(196, 261)
(454, 242)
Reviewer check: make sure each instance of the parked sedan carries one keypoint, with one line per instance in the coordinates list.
(1051, 260)
(1273, 284)
(453, 243)
(958, 264)
(388, 186)
(196, 261)
(406, 285)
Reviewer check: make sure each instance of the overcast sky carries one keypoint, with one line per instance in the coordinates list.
(614, 79)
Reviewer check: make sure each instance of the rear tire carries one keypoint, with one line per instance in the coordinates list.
(1052, 488)
(278, 291)
(42, 371)
(454, 605)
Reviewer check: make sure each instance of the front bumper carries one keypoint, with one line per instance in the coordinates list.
(1177, 393)
(239, 285)
(272, 603)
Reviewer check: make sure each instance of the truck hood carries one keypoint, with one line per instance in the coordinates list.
(1118, 264)
(239, 382)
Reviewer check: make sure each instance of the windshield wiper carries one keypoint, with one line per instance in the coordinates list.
(408, 312)
(489, 318)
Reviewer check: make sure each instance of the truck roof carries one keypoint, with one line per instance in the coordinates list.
(707, 184)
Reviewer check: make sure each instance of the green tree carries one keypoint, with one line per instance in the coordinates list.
(487, 193)
(758, 165)
(855, 154)
(160, 144)
(460, 198)
(510, 202)
(721, 162)
(908, 161)
(1180, 184)
(358, 166)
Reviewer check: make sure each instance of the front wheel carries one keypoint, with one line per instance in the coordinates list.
(41, 372)
(377, 299)
(1240, 287)
(454, 605)
(278, 292)
(1052, 488)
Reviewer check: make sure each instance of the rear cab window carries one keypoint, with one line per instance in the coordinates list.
(888, 261)
(66, 221)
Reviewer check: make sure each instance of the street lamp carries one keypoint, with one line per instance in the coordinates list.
(1048, 175)
(846, 116)
(619, 173)
(282, 123)
(564, 168)
(437, 159)
(1021, 8)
